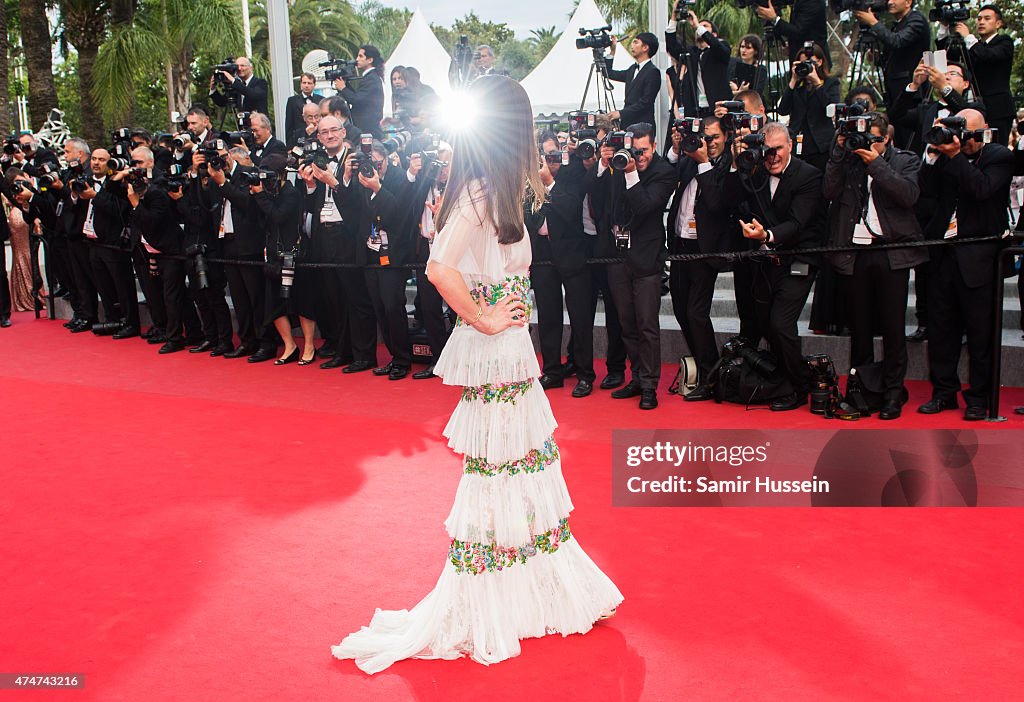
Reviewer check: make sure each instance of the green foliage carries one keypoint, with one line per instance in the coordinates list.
(69, 96)
(478, 32)
(384, 25)
(315, 24)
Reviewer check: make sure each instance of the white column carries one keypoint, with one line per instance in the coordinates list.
(280, 60)
(657, 18)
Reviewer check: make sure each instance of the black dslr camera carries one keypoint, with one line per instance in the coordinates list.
(396, 140)
(737, 348)
(266, 178)
(737, 117)
(853, 123)
(76, 177)
(308, 152)
(211, 151)
(949, 11)
(755, 154)
(945, 131)
(339, 68)
(177, 178)
(11, 145)
(47, 175)
(681, 10)
(691, 129)
(597, 38)
(825, 397)
(622, 142)
(802, 69)
(583, 131)
(288, 259)
(198, 253)
(364, 157)
(139, 179)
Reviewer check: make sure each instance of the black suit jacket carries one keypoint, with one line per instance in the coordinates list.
(110, 212)
(367, 102)
(806, 110)
(250, 98)
(894, 188)
(641, 91)
(807, 24)
(902, 46)
(293, 122)
(391, 210)
(353, 203)
(978, 192)
(641, 209)
(917, 115)
(155, 220)
(249, 238)
(714, 67)
(717, 230)
(795, 215)
(273, 145)
(282, 214)
(566, 243)
(992, 62)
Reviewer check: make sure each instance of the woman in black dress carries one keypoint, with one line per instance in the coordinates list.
(746, 70)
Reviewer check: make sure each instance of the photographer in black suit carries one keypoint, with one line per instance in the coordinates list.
(556, 236)
(699, 221)
(70, 215)
(633, 218)
(294, 124)
(336, 209)
(105, 227)
(902, 46)
(806, 23)
(265, 143)
(809, 92)
(242, 238)
(244, 91)
(784, 200)
(196, 206)
(367, 100)
(642, 79)
(970, 182)
(991, 56)
(390, 245)
(873, 191)
(706, 81)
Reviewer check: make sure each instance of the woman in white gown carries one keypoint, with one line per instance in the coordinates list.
(514, 568)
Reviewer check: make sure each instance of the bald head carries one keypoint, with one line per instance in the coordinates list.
(975, 120)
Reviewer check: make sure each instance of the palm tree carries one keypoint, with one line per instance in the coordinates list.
(84, 27)
(166, 35)
(36, 42)
(332, 25)
(542, 39)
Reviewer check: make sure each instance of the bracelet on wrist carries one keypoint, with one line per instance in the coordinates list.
(479, 315)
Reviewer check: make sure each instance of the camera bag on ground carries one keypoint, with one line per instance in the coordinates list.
(747, 376)
(865, 388)
(687, 377)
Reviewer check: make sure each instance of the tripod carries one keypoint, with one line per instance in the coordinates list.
(778, 68)
(603, 84)
(865, 61)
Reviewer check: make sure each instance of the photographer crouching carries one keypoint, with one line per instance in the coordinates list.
(782, 195)
(969, 177)
(873, 188)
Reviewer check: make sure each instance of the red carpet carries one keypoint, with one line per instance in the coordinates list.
(188, 528)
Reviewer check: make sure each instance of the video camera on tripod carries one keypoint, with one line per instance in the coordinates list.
(950, 11)
(227, 66)
(597, 38)
(339, 68)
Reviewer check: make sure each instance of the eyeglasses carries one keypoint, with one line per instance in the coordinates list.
(332, 130)
(958, 74)
(136, 162)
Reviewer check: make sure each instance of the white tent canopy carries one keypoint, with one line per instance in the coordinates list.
(420, 49)
(556, 85)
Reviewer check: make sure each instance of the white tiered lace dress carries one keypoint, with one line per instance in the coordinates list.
(514, 569)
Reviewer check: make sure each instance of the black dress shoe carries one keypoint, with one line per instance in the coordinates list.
(82, 326)
(583, 388)
(221, 350)
(328, 350)
(975, 413)
(700, 393)
(424, 374)
(920, 334)
(72, 322)
(157, 338)
(788, 402)
(549, 381)
(568, 368)
(383, 370)
(612, 380)
(262, 355)
(127, 332)
(648, 399)
(630, 389)
(203, 347)
(890, 410)
(397, 372)
(936, 405)
(241, 351)
(358, 367)
(5, 322)
(294, 356)
(333, 362)
(150, 333)
(172, 347)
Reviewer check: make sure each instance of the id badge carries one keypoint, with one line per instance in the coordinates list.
(861, 235)
(622, 237)
(691, 225)
(950, 229)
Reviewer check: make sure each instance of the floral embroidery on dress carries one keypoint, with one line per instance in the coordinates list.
(504, 392)
(533, 462)
(477, 558)
(493, 294)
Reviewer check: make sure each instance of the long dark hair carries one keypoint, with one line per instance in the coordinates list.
(499, 149)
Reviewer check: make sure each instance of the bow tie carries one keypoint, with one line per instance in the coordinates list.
(636, 66)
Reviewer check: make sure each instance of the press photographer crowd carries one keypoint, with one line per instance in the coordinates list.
(764, 161)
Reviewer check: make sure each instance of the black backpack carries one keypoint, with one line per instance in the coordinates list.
(737, 380)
